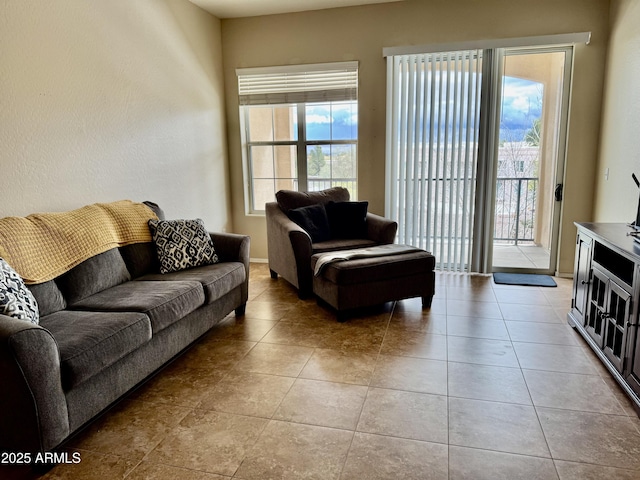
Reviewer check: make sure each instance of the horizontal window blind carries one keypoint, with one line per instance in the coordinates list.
(297, 84)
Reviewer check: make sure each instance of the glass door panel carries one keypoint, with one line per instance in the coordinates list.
(530, 159)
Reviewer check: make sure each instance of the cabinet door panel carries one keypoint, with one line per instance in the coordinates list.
(616, 319)
(582, 276)
(595, 323)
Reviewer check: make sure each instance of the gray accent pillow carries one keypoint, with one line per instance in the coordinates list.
(16, 300)
(182, 244)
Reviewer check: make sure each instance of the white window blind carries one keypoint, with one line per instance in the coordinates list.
(433, 110)
(300, 83)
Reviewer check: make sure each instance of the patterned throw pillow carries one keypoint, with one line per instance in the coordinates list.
(16, 300)
(182, 244)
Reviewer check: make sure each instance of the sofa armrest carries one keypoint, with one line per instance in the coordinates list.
(33, 407)
(380, 229)
(231, 247)
(289, 248)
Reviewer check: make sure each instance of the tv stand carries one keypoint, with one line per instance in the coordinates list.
(606, 294)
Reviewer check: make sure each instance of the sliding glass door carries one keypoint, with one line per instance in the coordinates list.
(475, 148)
(530, 159)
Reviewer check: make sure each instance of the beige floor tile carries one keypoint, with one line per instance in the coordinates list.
(471, 463)
(243, 328)
(304, 335)
(555, 358)
(411, 374)
(266, 310)
(496, 426)
(246, 393)
(482, 293)
(132, 429)
(607, 440)
(524, 313)
(293, 451)
(584, 471)
(209, 441)
(178, 384)
(417, 416)
(287, 360)
(414, 344)
(327, 404)
(465, 308)
(309, 312)
(485, 382)
(338, 366)
(481, 351)
(418, 321)
(533, 332)
(377, 457)
(477, 327)
(152, 471)
(357, 338)
(217, 354)
(623, 399)
(571, 391)
(92, 466)
(531, 297)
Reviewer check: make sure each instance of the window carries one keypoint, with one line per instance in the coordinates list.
(299, 129)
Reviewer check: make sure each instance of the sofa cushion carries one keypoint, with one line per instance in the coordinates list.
(313, 219)
(93, 275)
(140, 258)
(16, 300)
(163, 302)
(48, 296)
(347, 219)
(91, 341)
(290, 199)
(182, 244)
(217, 280)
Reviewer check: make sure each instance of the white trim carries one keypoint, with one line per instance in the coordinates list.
(313, 67)
(537, 41)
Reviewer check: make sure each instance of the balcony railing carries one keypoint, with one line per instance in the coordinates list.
(515, 205)
(316, 184)
(515, 210)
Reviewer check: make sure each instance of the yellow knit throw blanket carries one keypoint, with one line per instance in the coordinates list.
(42, 246)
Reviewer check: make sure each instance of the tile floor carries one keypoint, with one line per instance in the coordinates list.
(491, 383)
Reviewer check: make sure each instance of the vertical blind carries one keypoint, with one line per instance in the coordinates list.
(433, 113)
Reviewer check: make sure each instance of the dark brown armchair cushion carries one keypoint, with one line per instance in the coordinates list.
(290, 199)
(347, 219)
(313, 219)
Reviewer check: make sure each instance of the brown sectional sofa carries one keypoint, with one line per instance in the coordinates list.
(105, 326)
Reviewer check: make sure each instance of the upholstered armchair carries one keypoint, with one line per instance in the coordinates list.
(291, 246)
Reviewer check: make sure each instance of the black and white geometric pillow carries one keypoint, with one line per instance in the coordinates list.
(182, 244)
(16, 300)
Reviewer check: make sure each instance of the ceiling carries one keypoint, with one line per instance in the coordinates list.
(252, 8)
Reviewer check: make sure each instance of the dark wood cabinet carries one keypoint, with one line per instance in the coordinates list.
(606, 293)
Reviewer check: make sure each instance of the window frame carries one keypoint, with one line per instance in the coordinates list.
(296, 86)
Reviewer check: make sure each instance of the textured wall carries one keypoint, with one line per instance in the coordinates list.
(617, 197)
(360, 33)
(104, 100)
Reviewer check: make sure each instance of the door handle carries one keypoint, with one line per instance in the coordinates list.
(558, 192)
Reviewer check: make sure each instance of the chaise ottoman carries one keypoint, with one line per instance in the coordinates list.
(373, 276)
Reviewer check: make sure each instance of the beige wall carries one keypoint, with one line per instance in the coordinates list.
(360, 33)
(617, 197)
(111, 99)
